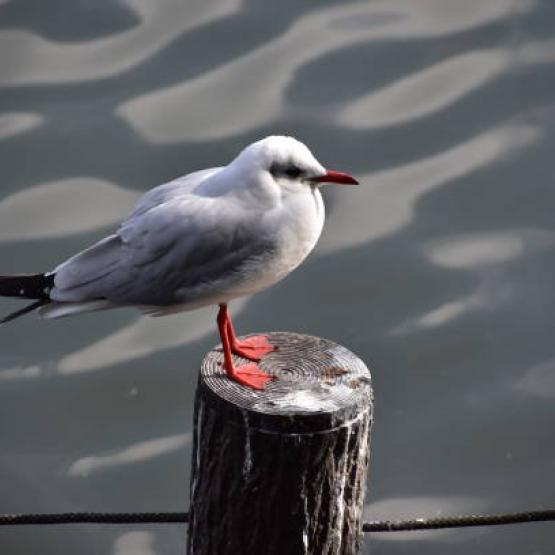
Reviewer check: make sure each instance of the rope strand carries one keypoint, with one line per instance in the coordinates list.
(93, 518)
(372, 526)
(464, 521)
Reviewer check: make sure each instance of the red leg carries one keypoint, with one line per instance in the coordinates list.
(253, 348)
(246, 374)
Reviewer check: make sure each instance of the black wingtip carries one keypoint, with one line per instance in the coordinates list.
(26, 286)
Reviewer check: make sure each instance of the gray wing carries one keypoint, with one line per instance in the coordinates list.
(178, 187)
(181, 250)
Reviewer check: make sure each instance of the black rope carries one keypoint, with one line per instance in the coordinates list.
(458, 521)
(93, 518)
(373, 526)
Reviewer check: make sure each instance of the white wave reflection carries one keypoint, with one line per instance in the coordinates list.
(135, 453)
(427, 91)
(440, 85)
(488, 295)
(14, 123)
(401, 508)
(536, 52)
(135, 543)
(43, 61)
(26, 373)
(429, 18)
(444, 313)
(142, 338)
(219, 103)
(476, 250)
(385, 202)
(60, 208)
(539, 381)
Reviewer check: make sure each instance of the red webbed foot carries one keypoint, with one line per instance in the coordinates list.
(250, 375)
(253, 348)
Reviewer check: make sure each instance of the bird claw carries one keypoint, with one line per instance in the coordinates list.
(253, 348)
(251, 376)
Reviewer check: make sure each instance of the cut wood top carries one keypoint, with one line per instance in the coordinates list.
(319, 385)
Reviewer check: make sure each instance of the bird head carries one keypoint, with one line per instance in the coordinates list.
(289, 163)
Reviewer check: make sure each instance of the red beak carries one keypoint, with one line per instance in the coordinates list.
(336, 177)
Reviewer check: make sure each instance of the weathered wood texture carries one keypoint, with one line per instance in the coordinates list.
(282, 471)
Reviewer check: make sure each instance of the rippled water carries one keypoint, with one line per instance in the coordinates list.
(438, 270)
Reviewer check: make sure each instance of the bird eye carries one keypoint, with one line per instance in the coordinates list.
(293, 172)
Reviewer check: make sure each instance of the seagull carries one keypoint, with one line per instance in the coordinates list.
(202, 239)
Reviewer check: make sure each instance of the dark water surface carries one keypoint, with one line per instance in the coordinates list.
(438, 270)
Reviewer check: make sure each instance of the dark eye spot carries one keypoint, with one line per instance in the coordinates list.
(291, 171)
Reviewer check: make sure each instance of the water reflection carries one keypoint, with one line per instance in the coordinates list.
(142, 338)
(14, 123)
(437, 270)
(447, 312)
(68, 206)
(538, 381)
(428, 91)
(479, 250)
(135, 543)
(49, 61)
(219, 104)
(87, 21)
(138, 452)
(388, 199)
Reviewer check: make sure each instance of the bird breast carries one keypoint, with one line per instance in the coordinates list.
(297, 225)
(303, 219)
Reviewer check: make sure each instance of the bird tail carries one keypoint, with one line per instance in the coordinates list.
(26, 286)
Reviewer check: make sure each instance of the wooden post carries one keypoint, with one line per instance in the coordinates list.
(281, 471)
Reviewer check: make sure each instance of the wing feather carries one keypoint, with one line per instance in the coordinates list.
(180, 250)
